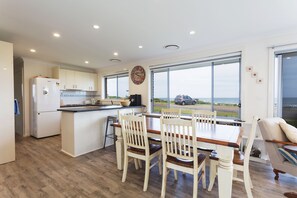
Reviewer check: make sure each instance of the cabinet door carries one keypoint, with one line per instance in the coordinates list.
(81, 79)
(70, 80)
(93, 81)
(63, 80)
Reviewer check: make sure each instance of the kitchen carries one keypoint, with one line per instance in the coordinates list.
(68, 105)
(102, 42)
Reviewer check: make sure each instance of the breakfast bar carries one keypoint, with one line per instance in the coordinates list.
(83, 128)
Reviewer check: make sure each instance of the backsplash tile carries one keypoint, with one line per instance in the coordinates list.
(77, 97)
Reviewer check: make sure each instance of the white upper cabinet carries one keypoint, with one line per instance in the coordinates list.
(62, 76)
(70, 80)
(76, 80)
(93, 81)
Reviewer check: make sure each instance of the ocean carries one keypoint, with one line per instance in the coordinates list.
(221, 100)
(216, 100)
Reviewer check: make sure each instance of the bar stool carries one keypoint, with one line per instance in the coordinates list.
(112, 119)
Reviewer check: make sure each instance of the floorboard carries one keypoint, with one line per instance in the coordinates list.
(42, 170)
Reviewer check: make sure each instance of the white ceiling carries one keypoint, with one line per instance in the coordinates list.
(126, 24)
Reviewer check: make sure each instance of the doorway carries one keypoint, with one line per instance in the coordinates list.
(18, 70)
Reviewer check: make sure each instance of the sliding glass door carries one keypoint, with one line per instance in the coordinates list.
(286, 87)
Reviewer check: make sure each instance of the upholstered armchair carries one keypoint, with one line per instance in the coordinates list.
(275, 138)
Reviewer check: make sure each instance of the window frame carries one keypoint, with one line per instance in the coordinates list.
(211, 62)
(116, 76)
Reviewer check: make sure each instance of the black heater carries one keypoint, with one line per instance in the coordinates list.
(135, 100)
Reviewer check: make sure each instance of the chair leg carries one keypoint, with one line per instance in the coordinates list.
(204, 177)
(175, 175)
(164, 180)
(246, 179)
(212, 174)
(251, 184)
(125, 168)
(147, 174)
(235, 173)
(136, 163)
(160, 164)
(140, 163)
(195, 184)
(106, 129)
(276, 172)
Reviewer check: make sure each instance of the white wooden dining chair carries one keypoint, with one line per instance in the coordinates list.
(123, 112)
(170, 113)
(205, 118)
(136, 145)
(240, 163)
(176, 135)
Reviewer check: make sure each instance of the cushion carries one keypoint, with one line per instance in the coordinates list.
(271, 129)
(290, 131)
(288, 156)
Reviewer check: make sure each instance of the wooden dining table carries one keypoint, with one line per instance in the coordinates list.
(223, 138)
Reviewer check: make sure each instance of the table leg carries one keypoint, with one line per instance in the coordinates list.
(225, 170)
(119, 148)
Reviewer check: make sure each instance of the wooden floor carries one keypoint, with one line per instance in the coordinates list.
(41, 170)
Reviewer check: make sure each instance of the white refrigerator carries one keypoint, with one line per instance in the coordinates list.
(45, 100)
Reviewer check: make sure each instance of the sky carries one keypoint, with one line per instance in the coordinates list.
(196, 82)
(123, 87)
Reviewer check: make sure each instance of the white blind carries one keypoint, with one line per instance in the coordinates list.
(203, 62)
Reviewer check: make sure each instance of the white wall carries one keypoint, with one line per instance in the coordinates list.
(7, 142)
(254, 53)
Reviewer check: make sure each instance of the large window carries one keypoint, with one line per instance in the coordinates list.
(117, 86)
(285, 104)
(211, 85)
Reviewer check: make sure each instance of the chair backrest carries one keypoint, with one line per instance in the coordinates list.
(135, 132)
(124, 112)
(179, 139)
(171, 113)
(250, 141)
(205, 116)
(270, 130)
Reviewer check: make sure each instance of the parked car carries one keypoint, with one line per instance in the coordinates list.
(184, 100)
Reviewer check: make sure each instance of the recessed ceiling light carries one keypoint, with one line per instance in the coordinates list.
(32, 50)
(171, 47)
(56, 35)
(115, 54)
(115, 60)
(192, 32)
(288, 58)
(125, 69)
(96, 27)
(140, 46)
(87, 62)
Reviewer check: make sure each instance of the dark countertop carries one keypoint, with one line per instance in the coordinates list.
(94, 108)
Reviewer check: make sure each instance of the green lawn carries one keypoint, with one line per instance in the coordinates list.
(223, 110)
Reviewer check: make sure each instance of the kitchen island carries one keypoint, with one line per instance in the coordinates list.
(83, 128)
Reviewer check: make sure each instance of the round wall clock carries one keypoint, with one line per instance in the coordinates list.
(138, 75)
